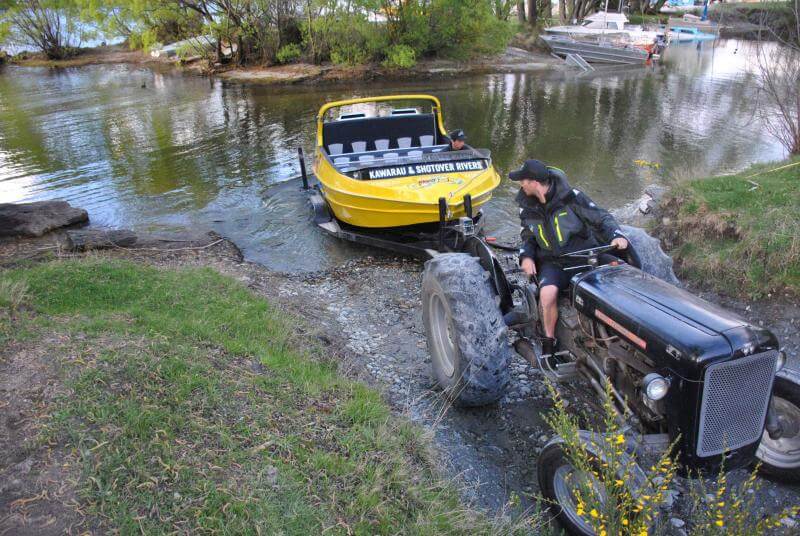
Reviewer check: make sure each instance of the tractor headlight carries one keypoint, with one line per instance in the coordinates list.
(655, 386)
(781, 361)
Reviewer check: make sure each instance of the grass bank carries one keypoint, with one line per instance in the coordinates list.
(738, 233)
(188, 406)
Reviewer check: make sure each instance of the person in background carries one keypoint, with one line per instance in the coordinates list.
(458, 140)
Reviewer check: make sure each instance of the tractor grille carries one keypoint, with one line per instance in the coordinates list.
(735, 400)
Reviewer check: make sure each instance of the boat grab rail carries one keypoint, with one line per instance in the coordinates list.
(436, 108)
(381, 152)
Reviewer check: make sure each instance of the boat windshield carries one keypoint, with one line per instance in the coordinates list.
(378, 109)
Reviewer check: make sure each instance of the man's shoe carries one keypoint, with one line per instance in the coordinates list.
(548, 346)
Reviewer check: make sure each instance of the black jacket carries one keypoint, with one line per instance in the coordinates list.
(568, 222)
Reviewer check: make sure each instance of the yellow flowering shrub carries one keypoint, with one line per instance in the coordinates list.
(615, 497)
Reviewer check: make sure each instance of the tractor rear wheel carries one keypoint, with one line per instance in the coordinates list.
(467, 337)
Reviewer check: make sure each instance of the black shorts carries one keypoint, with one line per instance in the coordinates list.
(554, 274)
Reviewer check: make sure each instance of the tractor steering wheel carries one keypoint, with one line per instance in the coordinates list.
(591, 256)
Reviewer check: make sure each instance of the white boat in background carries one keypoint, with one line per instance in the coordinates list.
(596, 50)
(603, 24)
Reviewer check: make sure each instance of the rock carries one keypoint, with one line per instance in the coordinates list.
(85, 240)
(36, 219)
(493, 450)
(655, 192)
(272, 475)
(23, 467)
(654, 260)
(677, 522)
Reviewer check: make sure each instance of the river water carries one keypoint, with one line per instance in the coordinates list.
(154, 150)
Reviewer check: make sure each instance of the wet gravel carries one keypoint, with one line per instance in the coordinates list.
(372, 308)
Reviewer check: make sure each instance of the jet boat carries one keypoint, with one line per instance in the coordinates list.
(381, 166)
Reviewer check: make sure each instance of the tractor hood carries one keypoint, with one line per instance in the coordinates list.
(668, 324)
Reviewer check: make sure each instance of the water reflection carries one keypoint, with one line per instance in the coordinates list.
(154, 150)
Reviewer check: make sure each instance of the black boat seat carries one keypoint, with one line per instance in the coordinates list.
(381, 133)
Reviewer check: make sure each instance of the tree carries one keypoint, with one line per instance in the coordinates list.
(577, 9)
(533, 13)
(47, 25)
(502, 8)
(779, 78)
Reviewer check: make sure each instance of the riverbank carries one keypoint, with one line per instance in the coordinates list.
(513, 60)
(737, 234)
(126, 410)
(103, 55)
(365, 323)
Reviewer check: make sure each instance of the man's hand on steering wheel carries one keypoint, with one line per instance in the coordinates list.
(620, 243)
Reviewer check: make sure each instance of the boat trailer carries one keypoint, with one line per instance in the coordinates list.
(423, 241)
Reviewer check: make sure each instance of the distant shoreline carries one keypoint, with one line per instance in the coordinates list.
(513, 60)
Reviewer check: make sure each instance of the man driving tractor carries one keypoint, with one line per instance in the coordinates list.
(556, 219)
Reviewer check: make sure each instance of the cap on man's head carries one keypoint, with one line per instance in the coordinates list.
(535, 170)
(458, 134)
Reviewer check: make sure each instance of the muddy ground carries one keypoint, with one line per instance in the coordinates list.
(368, 312)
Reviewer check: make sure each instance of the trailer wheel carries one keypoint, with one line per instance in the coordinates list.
(780, 458)
(467, 337)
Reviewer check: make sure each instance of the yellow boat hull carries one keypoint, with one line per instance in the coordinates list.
(400, 202)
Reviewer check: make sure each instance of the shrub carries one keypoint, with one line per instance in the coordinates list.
(400, 56)
(454, 28)
(288, 53)
(146, 40)
(343, 38)
(13, 294)
(608, 505)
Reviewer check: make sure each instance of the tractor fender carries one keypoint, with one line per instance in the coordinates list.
(476, 247)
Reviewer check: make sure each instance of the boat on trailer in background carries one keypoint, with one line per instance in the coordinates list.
(600, 50)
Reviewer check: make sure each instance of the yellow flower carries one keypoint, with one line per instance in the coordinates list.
(620, 439)
(603, 532)
(718, 523)
(721, 504)
(624, 522)
(593, 513)
(618, 482)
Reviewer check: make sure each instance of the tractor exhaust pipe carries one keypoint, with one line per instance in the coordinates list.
(442, 222)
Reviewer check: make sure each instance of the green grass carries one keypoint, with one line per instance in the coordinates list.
(175, 431)
(742, 232)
